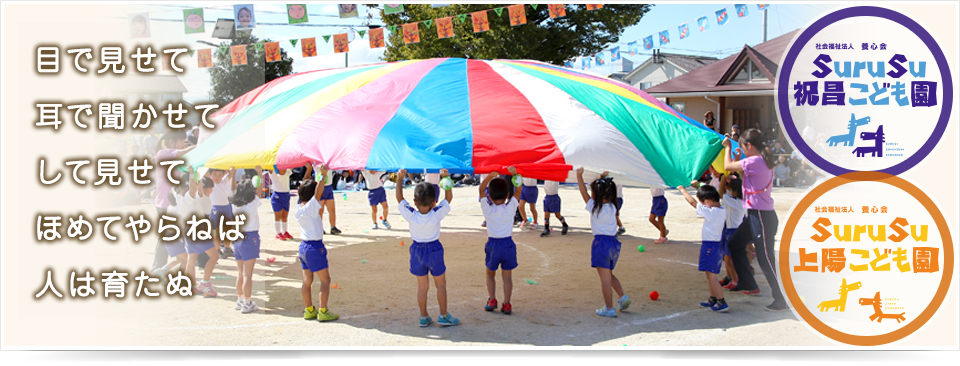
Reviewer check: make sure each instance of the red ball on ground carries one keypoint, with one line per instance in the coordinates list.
(654, 295)
(271, 259)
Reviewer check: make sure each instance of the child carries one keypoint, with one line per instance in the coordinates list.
(606, 248)
(732, 200)
(551, 204)
(426, 252)
(224, 184)
(434, 179)
(327, 201)
(313, 255)
(280, 202)
(195, 204)
(376, 196)
(247, 251)
(620, 229)
(529, 196)
(500, 249)
(711, 253)
(657, 213)
(175, 248)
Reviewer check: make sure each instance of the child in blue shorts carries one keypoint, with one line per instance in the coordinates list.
(280, 202)
(313, 255)
(377, 196)
(732, 200)
(246, 250)
(196, 205)
(551, 204)
(658, 210)
(711, 252)
(224, 185)
(426, 252)
(528, 196)
(605, 250)
(501, 251)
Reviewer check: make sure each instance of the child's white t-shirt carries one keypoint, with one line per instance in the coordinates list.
(656, 192)
(529, 182)
(252, 219)
(551, 187)
(713, 220)
(281, 182)
(218, 197)
(499, 217)
(372, 179)
(424, 228)
(604, 223)
(308, 216)
(193, 206)
(735, 210)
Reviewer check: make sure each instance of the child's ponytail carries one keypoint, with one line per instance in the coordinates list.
(755, 138)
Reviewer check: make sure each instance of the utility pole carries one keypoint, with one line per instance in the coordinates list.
(764, 25)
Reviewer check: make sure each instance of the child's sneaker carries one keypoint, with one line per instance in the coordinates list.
(730, 286)
(755, 292)
(565, 227)
(207, 289)
(491, 305)
(661, 241)
(720, 307)
(249, 307)
(447, 320)
(506, 308)
(310, 315)
(160, 272)
(546, 231)
(385, 224)
(287, 235)
(327, 316)
(725, 281)
(425, 321)
(280, 237)
(607, 312)
(524, 225)
(335, 231)
(375, 227)
(623, 303)
(239, 304)
(709, 303)
(622, 230)
(484, 224)
(534, 227)
(775, 306)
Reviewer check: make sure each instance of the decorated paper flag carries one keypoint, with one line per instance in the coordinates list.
(297, 13)
(704, 23)
(376, 38)
(594, 6)
(139, 25)
(763, 6)
(741, 10)
(341, 43)
(309, 47)
(557, 10)
(326, 39)
(615, 54)
(411, 33)
(238, 55)
(585, 62)
(684, 30)
(392, 8)
(444, 27)
(648, 43)
(193, 20)
(600, 61)
(480, 22)
(568, 64)
(204, 58)
(633, 47)
(664, 37)
(518, 15)
(348, 10)
(272, 51)
(721, 16)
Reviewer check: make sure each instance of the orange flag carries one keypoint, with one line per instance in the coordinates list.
(238, 55)
(518, 15)
(480, 22)
(309, 47)
(204, 58)
(594, 6)
(341, 43)
(376, 38)
(445, 27)
(411, 33)
(272, 51)
(557, 10)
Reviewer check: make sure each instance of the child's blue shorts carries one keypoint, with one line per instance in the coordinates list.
(377, 196)
(313, 255)
(551, 203)
(501, 253)
(327, 193)
(249, 247)
(711, 256)
(725, 239)
(427, 257)
(619, 204)
(197, 247)
(219, 213)
(529, 194)
(280, 201)
(605, 251)
(659, 207)
(175, 248)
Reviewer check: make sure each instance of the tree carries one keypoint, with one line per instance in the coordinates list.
(581, 32)
(230, 82)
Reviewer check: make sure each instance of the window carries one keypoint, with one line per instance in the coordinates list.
(645, 85)
(749, 73)
(680, 107)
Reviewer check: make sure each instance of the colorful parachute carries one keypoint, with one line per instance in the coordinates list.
(469, 116)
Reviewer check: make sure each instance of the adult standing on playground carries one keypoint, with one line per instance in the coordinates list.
(760, 226)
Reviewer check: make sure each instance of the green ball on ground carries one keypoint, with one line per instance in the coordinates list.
(641, 248)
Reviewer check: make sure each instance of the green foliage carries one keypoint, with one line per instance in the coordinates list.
(230, 82)
(581, 32)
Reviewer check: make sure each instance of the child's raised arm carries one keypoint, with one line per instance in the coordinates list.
(401, 174)
(318, 192)
(308, 172)
(728, 163)
(518, 191)
(448, 194)
(583, 187)
(692, 201)
(232, 175)
(723, 185)
(193, 181)
(485, 182)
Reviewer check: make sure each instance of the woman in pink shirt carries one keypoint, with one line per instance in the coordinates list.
(760, 225)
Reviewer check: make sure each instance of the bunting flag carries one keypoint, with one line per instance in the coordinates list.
(518, 15)
(721, 16)
(309, 47)
(499, 11)
(392, 8)
(462, 17)
(272, 51)
(258, 46)
(557, 10)
(587, 62)
(193, 21)
(293, 42)
(238, 55)
(633, 48)
(648, 43)
(411, 33)
(594, 6)
(568, 64)
(704, 23)
(224, 50)
(190, 52)
(341, 43)
(615, 54)
(664, 37)
(361, 33)
(376, 38)
(428, 23)
(326, 38)
(534, 6)
(600, 61)
(480, 21)
(297, 13)
(684, 30)
(444, 27)
(204, 58)
(741, 10)
(348, 10)
(763, 6)
(393, 28)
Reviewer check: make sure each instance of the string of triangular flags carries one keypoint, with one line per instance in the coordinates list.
(721, 17)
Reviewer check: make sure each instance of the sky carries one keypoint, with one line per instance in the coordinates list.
(718, 41)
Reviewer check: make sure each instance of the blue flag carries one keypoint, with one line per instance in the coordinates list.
(615, 54)
(664, 37)
(568, 64)
(583, 63)
(741, 10)
(763, 6)
(648, 43)
(684, 30)
(722, 16)
(633, 47)
(704, 23)
(600, 61)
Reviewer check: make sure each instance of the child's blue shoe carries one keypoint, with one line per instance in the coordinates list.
(425, 321)
(607, 312)
(447, 320)
(708, 303)
(623, 303)
(720, 307)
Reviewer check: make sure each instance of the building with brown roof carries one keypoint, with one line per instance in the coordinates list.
(662, 67)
